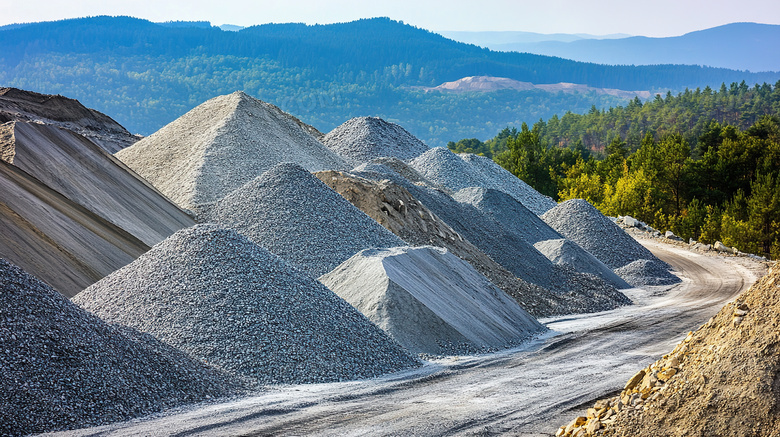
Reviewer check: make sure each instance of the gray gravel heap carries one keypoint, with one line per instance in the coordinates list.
(567, 252)
(362, 139)
(431, 301)
(456, 172)
(230, 303)
(294, 215)
(63, 368)
(644, 272)
(221, 145)
(507, 248)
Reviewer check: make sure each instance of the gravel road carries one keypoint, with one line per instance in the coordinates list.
(523, 392)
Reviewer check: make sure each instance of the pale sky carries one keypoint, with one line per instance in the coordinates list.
(635, 17)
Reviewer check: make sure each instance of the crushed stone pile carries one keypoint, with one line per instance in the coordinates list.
(431, 301)
(393, 207)
(567, 252)
(396, 166)
(581, 222)
(506, 248)
(721, 380)
(222, 144)
(63, 368)
(293, 214)
(457, 172)
(230, 303)
(644, 272)
(363, 139)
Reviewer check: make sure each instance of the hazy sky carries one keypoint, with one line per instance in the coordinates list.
(637, 17)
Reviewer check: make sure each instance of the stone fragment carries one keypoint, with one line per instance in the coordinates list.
(635, 380)
(593, 426)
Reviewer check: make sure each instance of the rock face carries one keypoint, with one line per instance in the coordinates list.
(222, 144)
(59, 111)
(63, 368)
(83, 172)
(430, 301)
(55, 239)
(363, 139)
(230, 303)
(721, 380)
(294, 215)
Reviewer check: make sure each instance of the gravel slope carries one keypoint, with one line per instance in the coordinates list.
(232, 304)
(63, 368)
(363, 139)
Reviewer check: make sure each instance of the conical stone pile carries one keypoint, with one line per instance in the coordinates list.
(363, 139)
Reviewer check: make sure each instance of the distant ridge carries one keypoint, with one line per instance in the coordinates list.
(490, 84)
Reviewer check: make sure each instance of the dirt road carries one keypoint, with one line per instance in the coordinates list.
(528, 391)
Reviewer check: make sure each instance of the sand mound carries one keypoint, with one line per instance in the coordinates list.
(362, 139)
(293, 214)
(430, 301)
(221, 145)
(63, 368)
(244, 310)
(720, 381)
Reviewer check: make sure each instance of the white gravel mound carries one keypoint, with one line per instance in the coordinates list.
(363, 139)
(644, 272)
(63, 368)
(431, 301)
(294, 215)
(566, 252)
(221, 145)
(230, 303)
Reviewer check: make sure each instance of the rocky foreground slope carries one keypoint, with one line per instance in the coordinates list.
(722, 380)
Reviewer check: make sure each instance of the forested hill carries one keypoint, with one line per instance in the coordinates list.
(146, 74)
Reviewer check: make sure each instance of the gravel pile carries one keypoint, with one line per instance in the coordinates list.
(431, 301)
(506, 248)
(362, 139)
(63, 368)
(456, 172)
(221, 145)
(293, 214)
(230, 303)
(647, 272)
(567, 252)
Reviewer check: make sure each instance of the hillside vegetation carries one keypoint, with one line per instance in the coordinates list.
(703, 164)
(148, 74)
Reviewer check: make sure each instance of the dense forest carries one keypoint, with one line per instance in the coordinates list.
(703, 164)
(145, 74)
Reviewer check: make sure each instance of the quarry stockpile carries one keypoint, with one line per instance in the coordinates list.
(393, 207)
(83, 172)
(294, 215)
(221, 145)
(579, 221)
(55, 239)
(63, 368)
(456, 172)
(568, 253)
(363, 139)
(230, 303)
(431, 301)
(511, 251)
(721, 380)
(59, 111)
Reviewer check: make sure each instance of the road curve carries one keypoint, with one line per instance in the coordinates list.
(528, 391)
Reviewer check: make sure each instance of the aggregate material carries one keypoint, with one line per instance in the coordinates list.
(294, 215)
(230, 303)
(63, 368)
(567, 252)
(363, 139)
(644, 272)
(456, 172)
(431, 301)
(222, 144)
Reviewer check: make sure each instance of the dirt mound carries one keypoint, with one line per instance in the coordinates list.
(55, 239)
(721, 380)
(293, 214)
(568, 253)
(362, 139)
(393, 207)
(59, 111)
(63, 368)
(86, 174)
(240, 308)
(431, 301)
(222, 144)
